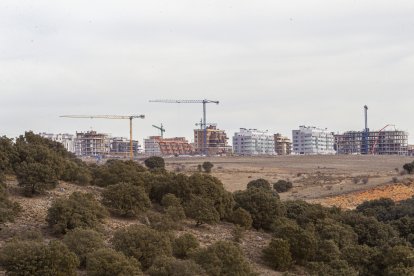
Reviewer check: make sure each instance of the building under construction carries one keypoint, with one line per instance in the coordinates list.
(120, 146)
(158, 146)
(390, 142)
(91, 143)
(216, 141)
(283, 145)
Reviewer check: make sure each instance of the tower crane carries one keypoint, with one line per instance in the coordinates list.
(201, 124)
(161, 129)
(204, 102)
(115, 117)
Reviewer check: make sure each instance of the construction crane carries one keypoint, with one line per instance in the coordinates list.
(377, 139)
(161, 129)
(115, 117)
(204, 102)
(201, 124)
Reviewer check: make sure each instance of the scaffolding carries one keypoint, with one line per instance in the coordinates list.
(390, 142)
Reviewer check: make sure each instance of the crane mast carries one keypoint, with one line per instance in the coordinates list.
(114, 117)
(204, 126)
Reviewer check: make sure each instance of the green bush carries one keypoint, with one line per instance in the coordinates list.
(8, 155)
(207, 166)
(334, 268)
(126, 200)
(223, 258)
(327, 251)
(79, 210)
(173, 207)
(169, 266)
(142, 243)
(409, 167)
(117, 171)
(238, 233)
(161, 221)
(169, 200)
(82, 242)
(343, 235)
(259, 183)
(36, 177)
(202, 211)
(263, 206)
(154, 162)
(77, 172)
(363, 258)
(8, 209)
(277, 255)
(282, 186)
(36, 258)
(108, 262)
(184, 245)
(242, 218)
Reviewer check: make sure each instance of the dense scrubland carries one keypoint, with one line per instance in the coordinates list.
(303, 239)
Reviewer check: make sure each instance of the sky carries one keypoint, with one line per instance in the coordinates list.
(273, 65)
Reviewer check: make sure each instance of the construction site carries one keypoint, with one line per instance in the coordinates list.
(382, 142)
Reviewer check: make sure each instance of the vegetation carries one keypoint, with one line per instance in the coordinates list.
(262, 204)
(184, 245)
(277, 254)
(409, 167)
(169, 266)
(142, 243)
(36, 258)
(108, 262)
(223, 258)
(155, 162)
(202, 211)
(79, 210)
(118, 171)
(259, 183)
(207, 166)
(8, 209)
(242, 218)
(82, 242)
(282, 186)
(126, 200)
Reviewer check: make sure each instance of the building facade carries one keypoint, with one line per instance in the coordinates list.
(312, 140)
(67, 140)
(216, 141)
(253, 142)
(91, 143)
(158, 146)
(393, 142)
(283, 145)
(120, 146)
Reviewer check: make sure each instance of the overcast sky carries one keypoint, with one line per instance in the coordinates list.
(273, 65)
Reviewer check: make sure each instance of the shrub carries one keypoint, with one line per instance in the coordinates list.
(155, 162)
(238, 233)
(334, 268)
(36, 177)
(173, 208)
(207, 166)
(108, 262)
(365, 180)
(263, 206)
(126, 200)
(161, 222)
(277, 255)
(282, 186)
(8, 209)
(169, 266)
(409, 167)
(362, 258)
(184, 245)
(77, 172)
(202, 211)
(8, 154)
(82, 242)
(36, 258)
(242, 218)
(79, 210)
(259, 183)
(142, 243)
(327, 251)
(223, 258)
(117, 171)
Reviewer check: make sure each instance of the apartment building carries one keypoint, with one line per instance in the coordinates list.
(312, 140)
(253, 142)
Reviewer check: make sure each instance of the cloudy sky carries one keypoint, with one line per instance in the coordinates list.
(273, 65)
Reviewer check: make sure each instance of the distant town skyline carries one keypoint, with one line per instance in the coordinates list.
(272, 65)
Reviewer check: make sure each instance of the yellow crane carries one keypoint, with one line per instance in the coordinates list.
(116, 117)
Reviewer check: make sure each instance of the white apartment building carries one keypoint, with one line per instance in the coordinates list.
(312, 140)
(67, 140)
(253, 142)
